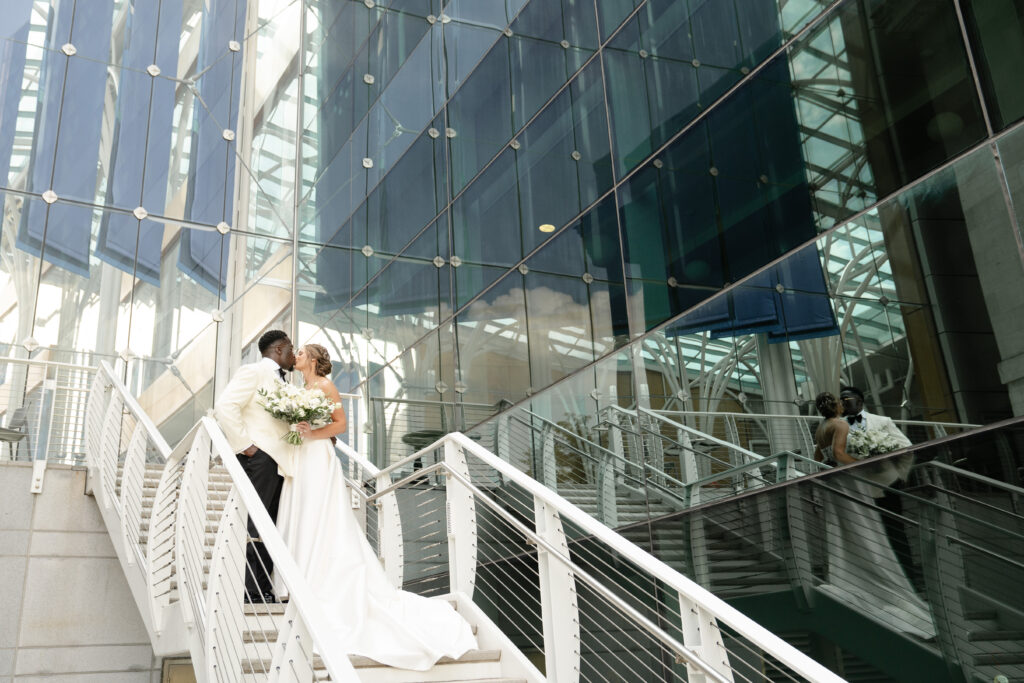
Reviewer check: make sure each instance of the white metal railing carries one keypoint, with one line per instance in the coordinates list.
(779, 432)
(570, 585)
(474, 527)
(42, 410)
(182, 546)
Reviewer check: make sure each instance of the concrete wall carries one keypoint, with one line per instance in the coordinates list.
(66, 613)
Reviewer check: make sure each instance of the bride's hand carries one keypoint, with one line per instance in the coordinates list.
(304, 429)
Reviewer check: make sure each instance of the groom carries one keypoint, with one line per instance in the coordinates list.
(891, 469)
(886, 473)
(256, 437)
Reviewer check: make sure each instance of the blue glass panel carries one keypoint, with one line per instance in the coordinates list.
(492, 13)
(571, 20)
(403, 111)
(66, 145)
(145, 108)
(405, 202)
(14, 34)
(204, 254)
(486, 216)
(481, 115)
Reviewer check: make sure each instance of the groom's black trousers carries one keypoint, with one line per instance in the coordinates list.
(262, 472)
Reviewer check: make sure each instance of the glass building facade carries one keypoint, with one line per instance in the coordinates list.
(692, 204)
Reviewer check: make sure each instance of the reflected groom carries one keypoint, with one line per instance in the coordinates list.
(256, 437)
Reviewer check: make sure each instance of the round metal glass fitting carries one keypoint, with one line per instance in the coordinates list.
(223, 228)
(140, 213)
(367, 251)
(367, 162)
(153, 70)
(50, 196)
(234, 45)
(587, 277)
(69, 49)
(368, 79)
(433, 132)
(455, 261)
(228, 135)
(439, 261)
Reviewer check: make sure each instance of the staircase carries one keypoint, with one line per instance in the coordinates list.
(263, 621)
(500, 554)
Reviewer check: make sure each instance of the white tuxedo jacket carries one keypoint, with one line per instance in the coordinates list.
(887, 471)
(244, 420)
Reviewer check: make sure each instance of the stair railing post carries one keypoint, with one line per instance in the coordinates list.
(702, 635)
(109, 449)
(607, 501)
(559, 607)
(190, 542)
(225, 603)
(460, 511)
(291, 663)
(390, 543)
(132, 485)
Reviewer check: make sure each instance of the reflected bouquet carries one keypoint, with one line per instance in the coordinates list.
(862, 443)
(294, 405)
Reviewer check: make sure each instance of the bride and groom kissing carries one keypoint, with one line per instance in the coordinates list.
(304, 490)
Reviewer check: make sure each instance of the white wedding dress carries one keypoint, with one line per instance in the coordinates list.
(863, 570)
(366, 615)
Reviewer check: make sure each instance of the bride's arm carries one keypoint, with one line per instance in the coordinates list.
(839, 433)
(339, 421)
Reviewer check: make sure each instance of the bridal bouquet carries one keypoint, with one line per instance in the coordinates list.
(294, 405)
(862, 443)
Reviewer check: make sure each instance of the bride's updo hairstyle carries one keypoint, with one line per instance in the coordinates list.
(321, 359)
(827, 404)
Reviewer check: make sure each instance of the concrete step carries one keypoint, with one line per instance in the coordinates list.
(1000, 658)
(474, 665)
(995, 635)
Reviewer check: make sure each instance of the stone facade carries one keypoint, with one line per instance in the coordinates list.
(67, 613)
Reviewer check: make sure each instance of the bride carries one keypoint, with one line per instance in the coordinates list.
(863, 571)
(366, 615)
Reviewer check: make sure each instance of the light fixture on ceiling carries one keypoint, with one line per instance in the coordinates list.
(547, 227)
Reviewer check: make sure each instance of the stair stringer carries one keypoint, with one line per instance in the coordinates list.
(169, 639)
(514, 664)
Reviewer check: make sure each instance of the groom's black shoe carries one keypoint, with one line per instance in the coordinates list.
(258, 598)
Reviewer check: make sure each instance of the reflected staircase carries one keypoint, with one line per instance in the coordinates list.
(748, 526)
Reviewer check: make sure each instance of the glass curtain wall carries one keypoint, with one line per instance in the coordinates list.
(560, 205)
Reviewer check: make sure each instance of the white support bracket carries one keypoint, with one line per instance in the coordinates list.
(460, 510)
(38, 473)
(702, 635)
(389, 533)
(560, 612)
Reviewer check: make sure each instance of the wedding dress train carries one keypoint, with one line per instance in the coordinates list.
(366, 615)
(863, 570)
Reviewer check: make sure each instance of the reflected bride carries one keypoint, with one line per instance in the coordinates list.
(366, 615)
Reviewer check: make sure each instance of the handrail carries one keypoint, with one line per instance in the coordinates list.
(610, 453)
(1010, 488)
(284, 564)
(47, 363)
(716, 607)
(555, 425)
(133, 405)
(659, 435)
(696, 432)
(804, 418)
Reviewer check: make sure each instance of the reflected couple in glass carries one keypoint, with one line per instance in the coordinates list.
(861, 562)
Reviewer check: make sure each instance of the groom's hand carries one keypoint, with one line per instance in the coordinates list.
(250, 451)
